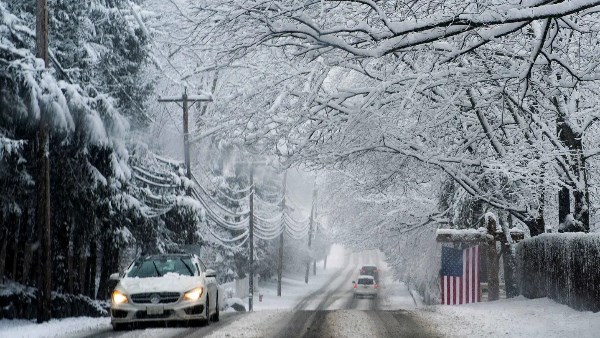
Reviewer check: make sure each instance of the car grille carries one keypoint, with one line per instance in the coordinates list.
(146, 298)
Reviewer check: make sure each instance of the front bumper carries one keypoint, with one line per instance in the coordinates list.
(178, 311)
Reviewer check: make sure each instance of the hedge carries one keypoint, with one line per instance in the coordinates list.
(19, 301)
(564, 267)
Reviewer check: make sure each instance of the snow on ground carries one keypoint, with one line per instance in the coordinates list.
(394, 295)
(254, 324)
(293, 287)
(517, 317)
(350, 323)
(66, 327)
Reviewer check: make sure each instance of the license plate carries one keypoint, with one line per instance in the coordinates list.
(155, 310)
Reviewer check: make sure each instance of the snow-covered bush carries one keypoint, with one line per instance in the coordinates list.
(564, 267)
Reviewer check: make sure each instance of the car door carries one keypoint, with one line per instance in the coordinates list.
(211, 285)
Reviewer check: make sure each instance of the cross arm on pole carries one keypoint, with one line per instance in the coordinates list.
(201, 97)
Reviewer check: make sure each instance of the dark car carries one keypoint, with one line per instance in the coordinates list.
(370, 270)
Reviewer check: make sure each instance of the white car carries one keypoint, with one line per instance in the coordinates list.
(365, 285)
(169, 287)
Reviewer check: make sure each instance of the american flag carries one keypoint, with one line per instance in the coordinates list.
(460, 275)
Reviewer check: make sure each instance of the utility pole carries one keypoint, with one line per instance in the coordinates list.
(315, 259)
(185, 101)
(43, 164)
(280, 262)
(310, 231)
(316, 229)
(251, 242)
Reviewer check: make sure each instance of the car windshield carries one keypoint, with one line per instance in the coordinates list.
(369, 268)
(158, 267)
(365, 281)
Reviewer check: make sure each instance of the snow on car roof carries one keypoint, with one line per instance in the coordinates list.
(168, 255)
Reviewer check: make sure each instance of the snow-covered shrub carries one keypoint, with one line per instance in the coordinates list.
(564, 267)
(19, 301)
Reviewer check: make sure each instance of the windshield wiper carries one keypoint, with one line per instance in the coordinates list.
(155, 268)
(187, 266)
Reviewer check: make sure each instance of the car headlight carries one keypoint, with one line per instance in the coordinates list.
(193, 294)
(118, 297)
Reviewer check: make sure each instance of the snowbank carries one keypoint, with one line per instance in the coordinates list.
(515, 317)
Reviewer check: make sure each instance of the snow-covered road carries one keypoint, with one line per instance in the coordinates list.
(332, 311)
(325, 308)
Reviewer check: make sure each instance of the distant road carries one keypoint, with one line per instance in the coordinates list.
(332, 311)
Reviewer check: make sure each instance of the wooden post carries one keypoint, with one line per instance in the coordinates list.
(280, 261)
(493, 266)
(315, 260)
(310, 231)
(44, 260)
(186, 135)
(185, 100)
(509, 260)
(251, 242)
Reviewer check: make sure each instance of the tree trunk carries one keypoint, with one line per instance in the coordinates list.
(3, 246)
(81, 286)
(510, 265)
(27, 261)
(537, 226)
(110, 263)
(280, 265)
(576, 166)
(564, 204)
(70, 267)
(62, 253)
(492, 260)
(91, 270)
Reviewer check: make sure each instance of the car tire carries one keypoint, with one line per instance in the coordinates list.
(215, 317)
(119, 326)
(207, 311)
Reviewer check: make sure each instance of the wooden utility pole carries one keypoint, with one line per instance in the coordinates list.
(251, 242)
(43, 165)
(310, 231)
(280, 262)
(185, 101)
(315, 259)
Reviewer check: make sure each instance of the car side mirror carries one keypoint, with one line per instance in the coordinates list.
(115, 277)
(211, 273)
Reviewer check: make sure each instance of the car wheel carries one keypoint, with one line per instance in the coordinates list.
(119, 326)
(207, 312)
(215, 317)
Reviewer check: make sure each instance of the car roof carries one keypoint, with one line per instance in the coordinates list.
(365, 276)
(170, 255)
(369, 266)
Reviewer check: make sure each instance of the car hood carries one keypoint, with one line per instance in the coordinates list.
(167, 283)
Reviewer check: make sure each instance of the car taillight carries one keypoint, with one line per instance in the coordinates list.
(376, 286)
(356, 286)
